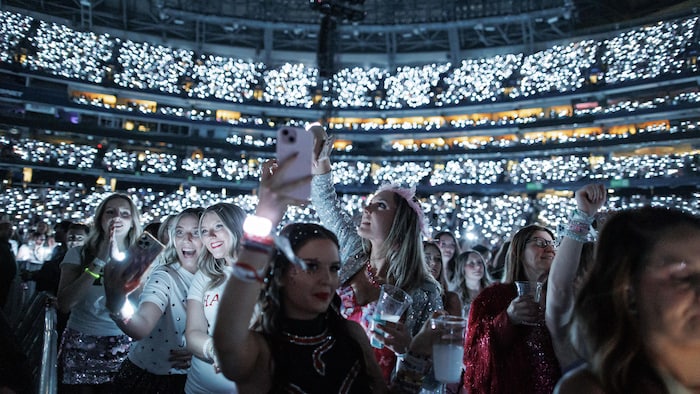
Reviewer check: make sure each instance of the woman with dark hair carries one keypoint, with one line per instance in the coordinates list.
(508, 346)
(93, 346)
(637, 314)
(449, 248)
(158, 361)
(221, 231)
(299, 341)
(471, 277)
(433, 258)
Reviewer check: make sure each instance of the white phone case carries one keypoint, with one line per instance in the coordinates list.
(292, 140)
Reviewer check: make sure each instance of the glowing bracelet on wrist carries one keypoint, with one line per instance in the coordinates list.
(124, 313)
(94, 275)
(256, 235)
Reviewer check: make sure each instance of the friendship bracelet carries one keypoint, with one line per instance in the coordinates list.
(580, 216)
(576, 236)
(579, 226)
(94, 275)
(99, 263)
(247, 273)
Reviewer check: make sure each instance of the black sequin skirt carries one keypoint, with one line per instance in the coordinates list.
(89, 359)
(132, 379)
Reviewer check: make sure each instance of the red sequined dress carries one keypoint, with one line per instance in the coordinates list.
(500, 357)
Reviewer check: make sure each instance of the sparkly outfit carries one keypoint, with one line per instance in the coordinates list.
(426, 298)
(311, 358)
(92, 347)
(500, 357)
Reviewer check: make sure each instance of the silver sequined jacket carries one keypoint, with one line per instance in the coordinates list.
(426, 299)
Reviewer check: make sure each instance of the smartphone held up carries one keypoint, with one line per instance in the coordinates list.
(296, 140)
(138, 258)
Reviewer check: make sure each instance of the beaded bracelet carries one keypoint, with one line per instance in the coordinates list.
(94, 275)
(578, 227)
(411, 372)
(247, 273)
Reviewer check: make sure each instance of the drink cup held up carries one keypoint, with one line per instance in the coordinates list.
(531, 288)
(448, 347)
(392, 303)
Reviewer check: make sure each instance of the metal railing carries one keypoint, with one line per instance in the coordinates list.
(37, 336)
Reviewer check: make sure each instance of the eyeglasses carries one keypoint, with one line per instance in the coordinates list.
(541, 242)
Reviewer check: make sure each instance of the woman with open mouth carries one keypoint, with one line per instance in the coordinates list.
(385, 248)
(158, 361)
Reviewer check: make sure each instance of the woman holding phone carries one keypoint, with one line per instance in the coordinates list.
(93, 347)
(158, 361)
(299, 341)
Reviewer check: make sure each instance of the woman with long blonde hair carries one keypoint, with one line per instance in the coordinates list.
(93, 347)
(221, 231)
(386, 247)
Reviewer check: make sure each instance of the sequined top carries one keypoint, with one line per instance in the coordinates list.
(327, 205)
(314, 359)
(426, 298)
(500, 357)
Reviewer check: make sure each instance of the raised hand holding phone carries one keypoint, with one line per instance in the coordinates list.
(295, 144)
(123, 276)
(138, 258)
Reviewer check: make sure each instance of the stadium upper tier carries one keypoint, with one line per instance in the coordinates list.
(666, 49)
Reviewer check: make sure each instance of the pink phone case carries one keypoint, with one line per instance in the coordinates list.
(292, 140)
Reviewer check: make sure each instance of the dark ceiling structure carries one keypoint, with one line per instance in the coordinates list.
(386, 27)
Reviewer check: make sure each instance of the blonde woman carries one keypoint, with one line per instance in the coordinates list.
(386, 247)
(93, 347)
(221, 230)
